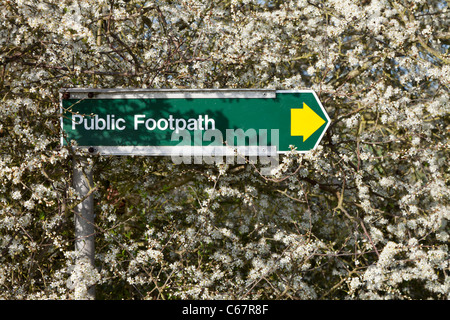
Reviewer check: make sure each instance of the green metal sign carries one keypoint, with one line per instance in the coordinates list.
(162, 122)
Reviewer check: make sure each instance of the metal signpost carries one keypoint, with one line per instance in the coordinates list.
(180, 122)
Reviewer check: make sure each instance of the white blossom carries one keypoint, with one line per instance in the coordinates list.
(363, 216)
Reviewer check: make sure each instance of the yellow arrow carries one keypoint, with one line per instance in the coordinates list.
(304, 122)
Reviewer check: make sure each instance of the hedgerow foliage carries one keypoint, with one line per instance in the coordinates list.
(364, 216)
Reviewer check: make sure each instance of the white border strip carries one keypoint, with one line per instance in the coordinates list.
(203, 151)
(83, 93)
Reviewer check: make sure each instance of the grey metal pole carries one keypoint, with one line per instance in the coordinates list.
(84, 229)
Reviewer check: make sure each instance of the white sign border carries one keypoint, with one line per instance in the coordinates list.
(126, 93)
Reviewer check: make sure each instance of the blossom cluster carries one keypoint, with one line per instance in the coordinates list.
(363, 216)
